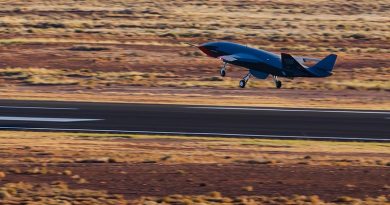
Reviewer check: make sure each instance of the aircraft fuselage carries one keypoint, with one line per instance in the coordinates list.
(255, 59)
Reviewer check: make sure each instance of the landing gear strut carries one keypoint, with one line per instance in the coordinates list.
(278, 83)
(223, 70)
(245, 80)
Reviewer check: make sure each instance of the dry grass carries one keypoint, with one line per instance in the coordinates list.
(89, 79)
(315, 21)
(115, 38)
(55, 155)
(84, 77)
(255, 97)
(59, 193)
(218, 198)
(54, 193)
(103, 148)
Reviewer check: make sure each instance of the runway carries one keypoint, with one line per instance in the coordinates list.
(256, 122)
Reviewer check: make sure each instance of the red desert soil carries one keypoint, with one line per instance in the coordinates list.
(53, 72)
(136, 166)
(136, 180)
(133, 51)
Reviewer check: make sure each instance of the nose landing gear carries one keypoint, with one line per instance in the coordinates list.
(223, 70)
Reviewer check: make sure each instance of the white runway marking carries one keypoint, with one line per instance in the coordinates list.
(45, 119)
(198, 134)
(39, 108)
(292, 110)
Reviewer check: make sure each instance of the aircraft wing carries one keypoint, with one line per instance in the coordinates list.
(240, 57)
(228, 58)
(303, 59)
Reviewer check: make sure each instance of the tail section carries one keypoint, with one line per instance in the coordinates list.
(324, 67)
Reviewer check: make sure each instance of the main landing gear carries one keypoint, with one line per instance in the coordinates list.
(245, 80)
(223, 70)
(278, 83)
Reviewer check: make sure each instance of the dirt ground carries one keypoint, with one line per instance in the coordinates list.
(134, 52)
(130, 167)
(136, 180)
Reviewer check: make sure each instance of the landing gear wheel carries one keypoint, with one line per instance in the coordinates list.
(278, 84)
(242, 83)
(223, 73)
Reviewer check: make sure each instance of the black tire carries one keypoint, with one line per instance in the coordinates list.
(242, 83)
(278, 84)
(223, 73)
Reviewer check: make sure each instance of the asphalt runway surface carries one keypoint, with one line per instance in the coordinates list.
(255, 122)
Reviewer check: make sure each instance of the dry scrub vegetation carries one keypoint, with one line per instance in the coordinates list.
(217, 198)
(84, 77)
(53, 194)
(116, 45)
(77, 168)
(103, 148)
(89, 79)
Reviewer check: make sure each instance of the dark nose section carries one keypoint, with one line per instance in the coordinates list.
(203, 49)
(207, 51)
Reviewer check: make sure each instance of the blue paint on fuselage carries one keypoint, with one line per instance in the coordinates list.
(256, 59)
(253, 59)
(263, 62)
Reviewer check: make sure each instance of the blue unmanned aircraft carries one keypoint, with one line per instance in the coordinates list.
(262, 63)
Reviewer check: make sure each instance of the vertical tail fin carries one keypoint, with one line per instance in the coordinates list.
(324, 67)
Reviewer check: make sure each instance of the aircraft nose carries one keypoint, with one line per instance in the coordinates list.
(202, 48)
(205, 50)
